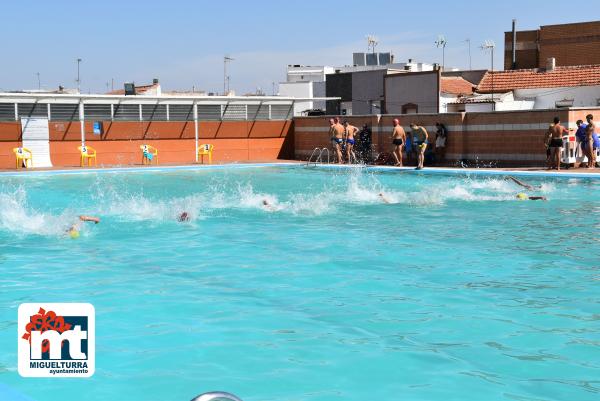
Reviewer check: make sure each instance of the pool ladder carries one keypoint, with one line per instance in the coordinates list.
(216, 396)
(319, 153)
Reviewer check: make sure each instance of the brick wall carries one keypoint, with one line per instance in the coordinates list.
(527, 49)
(514, 138)
(120, 142)
(569, 44)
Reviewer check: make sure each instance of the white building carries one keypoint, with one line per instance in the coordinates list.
(309, 81)
(305, 82)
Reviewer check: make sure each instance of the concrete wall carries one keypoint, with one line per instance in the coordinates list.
(119, 144)
(367, 91)
(420, 88)
(298, 89)
(513, 138)
(338, 85)
(546, 98)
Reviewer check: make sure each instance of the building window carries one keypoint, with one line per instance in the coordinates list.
(410, 108)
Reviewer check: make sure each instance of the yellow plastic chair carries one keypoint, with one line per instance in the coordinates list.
(205, 149)
(149, 150)
(87, 154)
(23, 155)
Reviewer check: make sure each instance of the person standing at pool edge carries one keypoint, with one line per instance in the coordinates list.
(336, 132)
(398, 140)
(590, 131)
(420, 137)
(349, 132)
(440, 140)
(555, 134)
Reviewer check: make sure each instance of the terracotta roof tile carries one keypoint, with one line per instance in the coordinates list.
(456, 86)
(503, 81)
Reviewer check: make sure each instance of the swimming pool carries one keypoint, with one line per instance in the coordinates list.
(454, 290)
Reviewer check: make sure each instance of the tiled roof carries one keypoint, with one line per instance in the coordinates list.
(456, 86)
(581, 75)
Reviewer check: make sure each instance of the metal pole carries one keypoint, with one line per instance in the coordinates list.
(514, 44)
(225, 75)
(78, 77)
(39, 82)
(470, 66)
(82, 122)
(493, 103)
(444, 57)
(196, 128)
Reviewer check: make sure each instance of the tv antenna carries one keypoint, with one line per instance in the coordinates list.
(226, 78)
(489, 45)
(441, 42)
(372, 42)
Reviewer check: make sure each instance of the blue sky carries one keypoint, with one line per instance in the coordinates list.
(183, 42)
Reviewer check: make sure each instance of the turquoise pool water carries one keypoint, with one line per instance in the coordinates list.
(452, 291)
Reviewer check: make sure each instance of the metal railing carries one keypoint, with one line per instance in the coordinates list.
(319, 155)
(216, 396)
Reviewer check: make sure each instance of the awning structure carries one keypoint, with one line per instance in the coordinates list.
(96, 107)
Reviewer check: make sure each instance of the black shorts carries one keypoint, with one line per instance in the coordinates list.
(556, 143)
(398, 142)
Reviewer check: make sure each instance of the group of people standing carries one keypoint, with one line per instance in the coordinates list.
(343, 139)
(344, 135)
(586, 136)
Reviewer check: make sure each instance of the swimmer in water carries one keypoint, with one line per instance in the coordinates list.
(522, 196)
(267, 205)
(383, 198)
(521, 183)
(74, 230)
(183, 217)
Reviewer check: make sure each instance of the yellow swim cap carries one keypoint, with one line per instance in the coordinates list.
(522, 196)
(74, 234)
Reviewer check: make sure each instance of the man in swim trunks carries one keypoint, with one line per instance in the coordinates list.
(589, 141)
(420, 137)
(555, 134)
(349, 132)
(336, 132)
(398, 140)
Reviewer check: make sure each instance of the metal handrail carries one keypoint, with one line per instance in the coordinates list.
(216, 396)
(321, 155)
(315, 150)
(319, 158)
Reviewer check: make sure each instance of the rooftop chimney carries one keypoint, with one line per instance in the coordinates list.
(550, 64)
(514, 44)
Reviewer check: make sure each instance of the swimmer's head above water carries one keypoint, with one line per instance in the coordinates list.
(74, 230)
(522, 196)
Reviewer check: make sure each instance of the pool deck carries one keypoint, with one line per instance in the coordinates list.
(523, 171)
